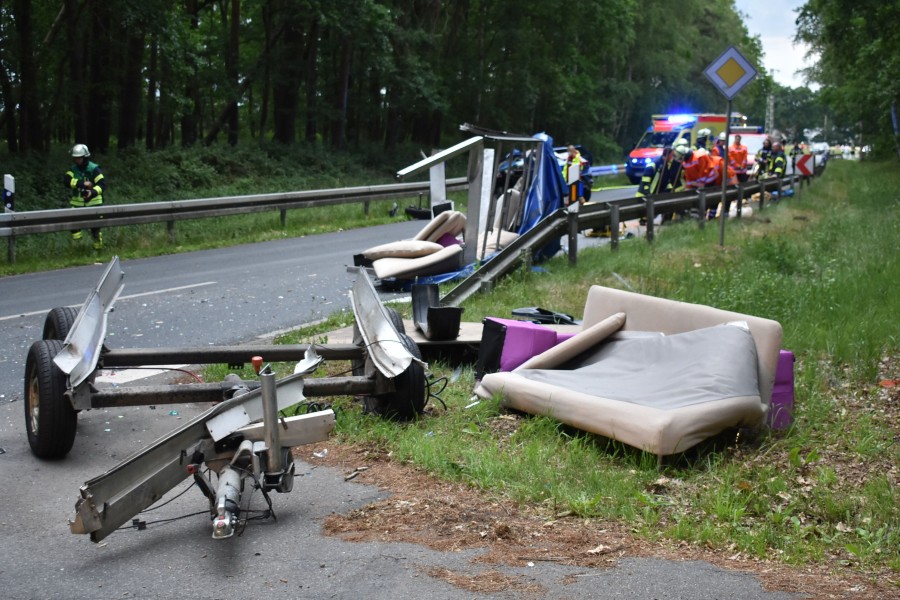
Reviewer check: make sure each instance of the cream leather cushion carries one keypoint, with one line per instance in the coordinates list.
(449, 221)
(402, 249)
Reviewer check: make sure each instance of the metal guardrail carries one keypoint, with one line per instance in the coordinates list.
(116, 215)
(602, 170)
(598, 216)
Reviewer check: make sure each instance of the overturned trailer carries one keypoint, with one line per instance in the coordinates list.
(242, 438)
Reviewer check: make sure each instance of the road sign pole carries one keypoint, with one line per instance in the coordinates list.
(725, 206)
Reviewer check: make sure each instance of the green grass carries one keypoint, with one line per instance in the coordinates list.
(825, 265)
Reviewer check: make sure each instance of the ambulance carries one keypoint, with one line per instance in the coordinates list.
(666, 130)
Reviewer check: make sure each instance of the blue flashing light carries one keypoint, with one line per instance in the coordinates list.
(681, 118)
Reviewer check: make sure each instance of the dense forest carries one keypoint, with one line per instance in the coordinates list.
(118, 74)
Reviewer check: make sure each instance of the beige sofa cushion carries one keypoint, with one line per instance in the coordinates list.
(449, 221)
(402, 249)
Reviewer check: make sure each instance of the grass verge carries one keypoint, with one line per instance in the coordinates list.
(824, 491)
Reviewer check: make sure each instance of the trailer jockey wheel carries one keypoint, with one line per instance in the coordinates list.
(407, 401)
(50, 420)
(58, 322)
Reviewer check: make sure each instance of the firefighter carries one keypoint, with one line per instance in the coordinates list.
(86, 183)
(703, 138)
(703, 170)
(737, 155)
(719, 148)
(574, 161)
(778, 162)
(662, 176)
(764, 159)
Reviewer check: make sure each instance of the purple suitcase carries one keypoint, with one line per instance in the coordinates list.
(782, 406)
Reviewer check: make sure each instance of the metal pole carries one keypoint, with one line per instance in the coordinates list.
(572, 219)
(701, 202)
(650, 216)
(740, 199)
(614, 227)
(725, 206)
(270, 420)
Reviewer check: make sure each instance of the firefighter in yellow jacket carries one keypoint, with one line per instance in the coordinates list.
(86, 184)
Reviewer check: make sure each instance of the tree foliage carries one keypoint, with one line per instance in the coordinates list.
(122, 73)
(858, 45)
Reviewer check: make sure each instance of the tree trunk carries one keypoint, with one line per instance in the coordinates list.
(102, 85)
(130, 96)
(231, 67)
(312, 53)
(190, 120)
(342, 93)
(30, 125)
(152, 82)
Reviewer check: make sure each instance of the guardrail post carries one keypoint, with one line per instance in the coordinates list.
(614, 227)
(740, 198)
(11, 250)
(701, 206)
(366, 208)
(572, 219)
(762, 194)
(779, 185)
(170, 230)
(650, 216)
(283, 218)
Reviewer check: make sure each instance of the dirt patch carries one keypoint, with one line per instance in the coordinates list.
(447, 516)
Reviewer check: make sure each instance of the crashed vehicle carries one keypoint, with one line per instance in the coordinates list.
(244, 440)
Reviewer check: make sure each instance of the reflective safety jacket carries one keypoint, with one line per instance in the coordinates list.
(718, 150)
(778, 164)
(80, 195)
(737, 155)
(577, 159)
(764, 161)
(660, 177)
(704, 170)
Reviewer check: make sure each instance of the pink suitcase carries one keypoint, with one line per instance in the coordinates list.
(782, 407)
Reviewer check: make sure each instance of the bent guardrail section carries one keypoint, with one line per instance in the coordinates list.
(594, 216)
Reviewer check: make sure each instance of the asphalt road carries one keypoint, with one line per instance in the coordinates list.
(229, 296)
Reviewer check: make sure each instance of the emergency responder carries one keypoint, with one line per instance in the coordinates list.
(719, 148)
(703, 170)
(86, 183)
(764, 159)
(737, 155)
(575, 166)
(702, 138)
(778, 163)
(662, 176)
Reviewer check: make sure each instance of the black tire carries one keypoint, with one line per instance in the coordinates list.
(407, 401)
(396, 319)
(58, 323)
(50, 420)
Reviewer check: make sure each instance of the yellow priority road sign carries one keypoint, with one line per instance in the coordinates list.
(730, 72)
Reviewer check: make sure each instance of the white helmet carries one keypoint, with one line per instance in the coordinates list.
(682, 150)
(722, 136)
(80, 150)
(704, 132)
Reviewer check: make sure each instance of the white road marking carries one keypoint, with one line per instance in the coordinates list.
(151, 293)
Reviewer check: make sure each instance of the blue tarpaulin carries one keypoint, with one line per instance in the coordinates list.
(547, 189)
(545, 196)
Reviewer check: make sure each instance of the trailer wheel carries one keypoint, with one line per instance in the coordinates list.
(396, 320)
(50, 420)
(407, 401)
(58, 323)
(358, 366)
